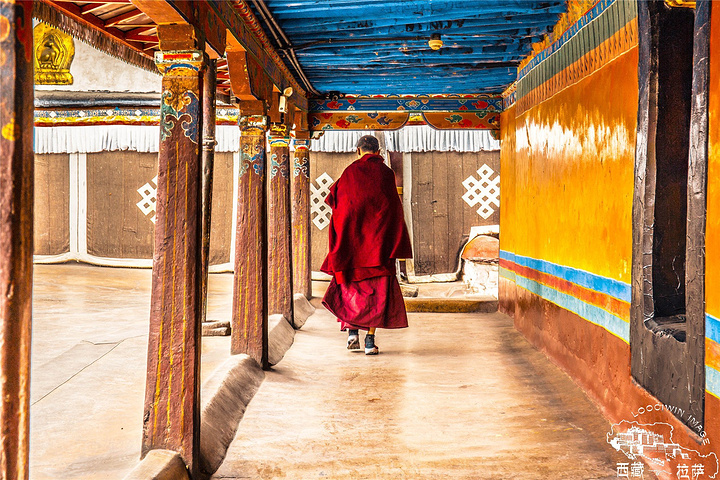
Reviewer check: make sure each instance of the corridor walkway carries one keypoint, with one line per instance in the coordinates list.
(459, 396)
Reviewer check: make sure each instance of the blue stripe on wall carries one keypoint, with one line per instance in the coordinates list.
(712, 380)
(712, 328)
(608, 286)
(591, 313)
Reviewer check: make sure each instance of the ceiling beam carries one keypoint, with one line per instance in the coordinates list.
(111, 22)
(91, 7)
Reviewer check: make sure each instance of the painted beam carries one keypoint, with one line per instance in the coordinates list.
(216, 20)
(16, 235)
(240, 21)
(467, 103)
(159, 11)
(479, 120)
(91, 21)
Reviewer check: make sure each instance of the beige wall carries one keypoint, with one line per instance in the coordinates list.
(93, 70)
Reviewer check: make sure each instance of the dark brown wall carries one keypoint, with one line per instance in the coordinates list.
(52, 199)
(667, 359)
(115, 225)
(441, 218)
(222, 209)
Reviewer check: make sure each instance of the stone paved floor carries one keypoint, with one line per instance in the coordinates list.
(457, 396)
(89, 352)
(454, 396)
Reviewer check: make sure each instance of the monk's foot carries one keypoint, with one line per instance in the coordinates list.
(353, 342)
(370, 347)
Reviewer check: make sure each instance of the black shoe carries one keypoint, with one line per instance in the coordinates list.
(370, 347)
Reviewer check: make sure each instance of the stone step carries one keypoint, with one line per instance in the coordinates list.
(451, 305)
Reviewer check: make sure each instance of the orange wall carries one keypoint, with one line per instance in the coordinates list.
(574, 173)
(506, 284)
(567, 167)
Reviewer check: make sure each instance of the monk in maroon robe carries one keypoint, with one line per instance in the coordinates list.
(367, 233)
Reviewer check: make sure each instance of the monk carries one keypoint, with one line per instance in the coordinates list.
(367, 234)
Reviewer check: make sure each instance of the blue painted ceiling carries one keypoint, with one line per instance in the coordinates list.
(369, 47)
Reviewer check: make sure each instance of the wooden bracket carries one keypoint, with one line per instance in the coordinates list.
(252, 107)
(247, 78)
(179, 36)
(274, 112)
(301, 123)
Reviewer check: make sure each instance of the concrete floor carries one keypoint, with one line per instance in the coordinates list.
(89, 350)
(461, 396)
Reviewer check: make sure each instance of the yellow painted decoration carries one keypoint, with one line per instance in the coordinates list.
(4, 28)
(10, 131)
(680, 3)
(53, 53)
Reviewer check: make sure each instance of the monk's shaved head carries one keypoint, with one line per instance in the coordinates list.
(368, 144)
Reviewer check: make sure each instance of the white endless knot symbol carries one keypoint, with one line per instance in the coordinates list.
(485, 191)
(320, 210)
(149, 198)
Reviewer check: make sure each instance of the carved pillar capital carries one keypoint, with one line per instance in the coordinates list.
(181, 63)
(279, 135)
(253, 125)
(300, 144)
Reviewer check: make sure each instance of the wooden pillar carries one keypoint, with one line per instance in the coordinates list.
(208, 162)
(300, 190)
(172, 411)
(250, 313)
(16, 234)
(279, 253)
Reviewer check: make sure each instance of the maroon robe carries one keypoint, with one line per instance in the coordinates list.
(367, 233)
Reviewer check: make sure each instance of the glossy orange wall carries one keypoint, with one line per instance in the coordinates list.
(567, 176)
(506, 284)
(574, 173)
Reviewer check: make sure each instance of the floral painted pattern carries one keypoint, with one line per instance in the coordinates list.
(279, 166)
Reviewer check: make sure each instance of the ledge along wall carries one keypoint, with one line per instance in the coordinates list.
(567, 166)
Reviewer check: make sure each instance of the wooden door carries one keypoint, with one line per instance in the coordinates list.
(451, 192)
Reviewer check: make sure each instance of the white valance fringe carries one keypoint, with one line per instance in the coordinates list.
(145, 139)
